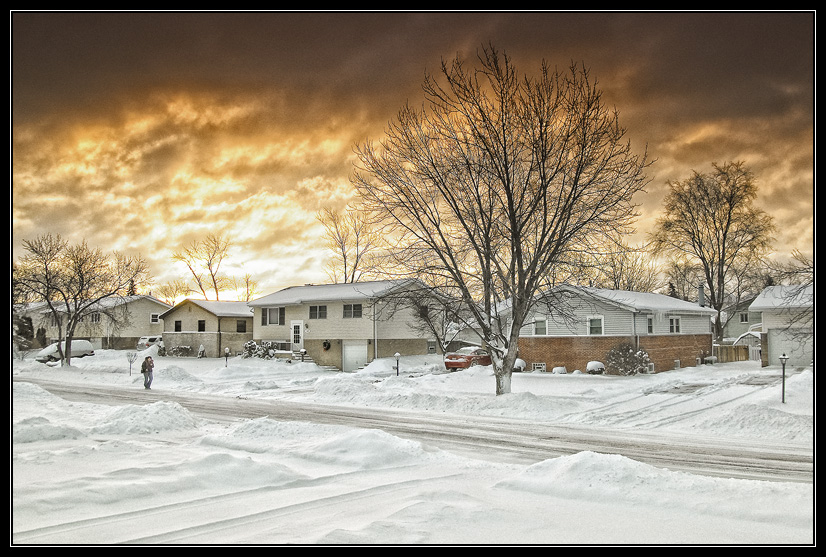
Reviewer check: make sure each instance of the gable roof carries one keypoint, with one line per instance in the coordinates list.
(311, 293)
(784, 297)
(639, 301)
(101, 305)
(217, 308)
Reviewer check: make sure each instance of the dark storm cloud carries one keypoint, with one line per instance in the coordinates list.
(245, 122)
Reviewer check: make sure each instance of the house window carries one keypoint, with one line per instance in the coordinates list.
(273, 316)
(178, 326)
(674, 325)
(318, 312)
(650, 325)
(154, 318)
(744, 318)
(95, 317)
(540, 327)
(352, 311)
(241, 326)
(201, 325)
(595, 325)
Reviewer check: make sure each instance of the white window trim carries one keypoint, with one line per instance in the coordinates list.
(543, 320)
(601, 325)
(671, 321)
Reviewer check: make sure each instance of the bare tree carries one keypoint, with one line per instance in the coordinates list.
(711, 220)
(74, 280)
(352, 240)
(246, 288)
(203, 259)
(496, 183)
(628, 268)
(171, 291)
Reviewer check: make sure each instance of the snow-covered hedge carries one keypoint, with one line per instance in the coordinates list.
(626, 360)
(266, 350)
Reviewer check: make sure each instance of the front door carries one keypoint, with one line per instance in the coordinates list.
(297, 328)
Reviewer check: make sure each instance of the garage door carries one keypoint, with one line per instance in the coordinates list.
(353, 354)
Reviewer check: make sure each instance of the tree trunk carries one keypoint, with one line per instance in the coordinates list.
(503, 382)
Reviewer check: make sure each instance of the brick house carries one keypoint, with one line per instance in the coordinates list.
(340, 325)
(212, 324)
(673, 332)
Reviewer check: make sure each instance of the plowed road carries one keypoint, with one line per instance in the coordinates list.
(498, 439)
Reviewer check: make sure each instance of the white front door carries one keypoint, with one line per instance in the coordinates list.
(297, 331)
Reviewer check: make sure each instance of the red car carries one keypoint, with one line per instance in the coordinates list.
(466, 357)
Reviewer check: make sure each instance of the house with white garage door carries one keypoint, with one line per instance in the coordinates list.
(344, 326)
(787, 316)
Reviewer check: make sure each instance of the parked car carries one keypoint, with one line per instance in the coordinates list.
(146, 342)
(466, 357)
(80, 348)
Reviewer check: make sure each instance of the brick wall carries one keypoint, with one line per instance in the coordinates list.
(574, 353)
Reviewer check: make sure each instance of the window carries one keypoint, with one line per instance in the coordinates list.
(674, 325)
(177, 326)
(95, 317)
(540, 327)
(154, 317)
(352, 311)
(650, 325)
(201, 325)
(744, 318)
(241, 326)
(318, 312)
(595, 323)
(272, 316)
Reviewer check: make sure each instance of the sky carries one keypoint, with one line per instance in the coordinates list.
(143, 132)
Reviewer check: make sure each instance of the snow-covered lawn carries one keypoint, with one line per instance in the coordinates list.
(154, 473)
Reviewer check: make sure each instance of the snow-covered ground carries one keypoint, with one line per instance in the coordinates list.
(154, 473)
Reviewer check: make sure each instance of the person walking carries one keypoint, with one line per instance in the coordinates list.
(146, 368)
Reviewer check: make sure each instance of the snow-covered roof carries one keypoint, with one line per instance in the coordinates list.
(784, 297)
(295, 295)
(642, 301)
(218, 308)
(103, 304)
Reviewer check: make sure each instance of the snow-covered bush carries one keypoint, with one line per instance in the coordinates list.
(180, 351)
(595, 368)
(626, 360)
(266, 350)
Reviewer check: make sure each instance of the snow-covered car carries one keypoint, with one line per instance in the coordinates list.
(466, 357)
(80, 348)
(146, 342)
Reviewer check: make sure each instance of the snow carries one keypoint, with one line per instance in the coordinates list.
(155, 473)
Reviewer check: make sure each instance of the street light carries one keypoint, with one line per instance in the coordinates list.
(783, 360)
(397, 363)
(226, 356)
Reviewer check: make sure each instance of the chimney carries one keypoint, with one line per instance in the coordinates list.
(701, 296)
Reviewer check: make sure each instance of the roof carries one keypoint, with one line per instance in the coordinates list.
(641, 301)
(784, 297)
(296, 295)
(217, 308)
(102, 304)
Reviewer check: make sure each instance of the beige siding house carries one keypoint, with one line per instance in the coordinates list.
(787, 317)
(339, 325)
(114, 323)
(217, 326)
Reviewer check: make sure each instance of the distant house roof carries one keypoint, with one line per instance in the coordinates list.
(784, 297)
(640, 301)
(217, 308)
(295, 295)
(103, 304)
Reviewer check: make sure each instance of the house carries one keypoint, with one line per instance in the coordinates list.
(212, 324)
(575, 325)
(113, 323)
(341, 325)
(740, 320)
(788, 323)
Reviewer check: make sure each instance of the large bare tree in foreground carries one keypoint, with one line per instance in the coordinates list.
(499, 180)
(710, 220)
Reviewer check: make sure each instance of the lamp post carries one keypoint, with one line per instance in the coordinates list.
(397, 363)
(226, 356)
(783, 360)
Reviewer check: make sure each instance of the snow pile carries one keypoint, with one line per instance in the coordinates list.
(90, 474)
